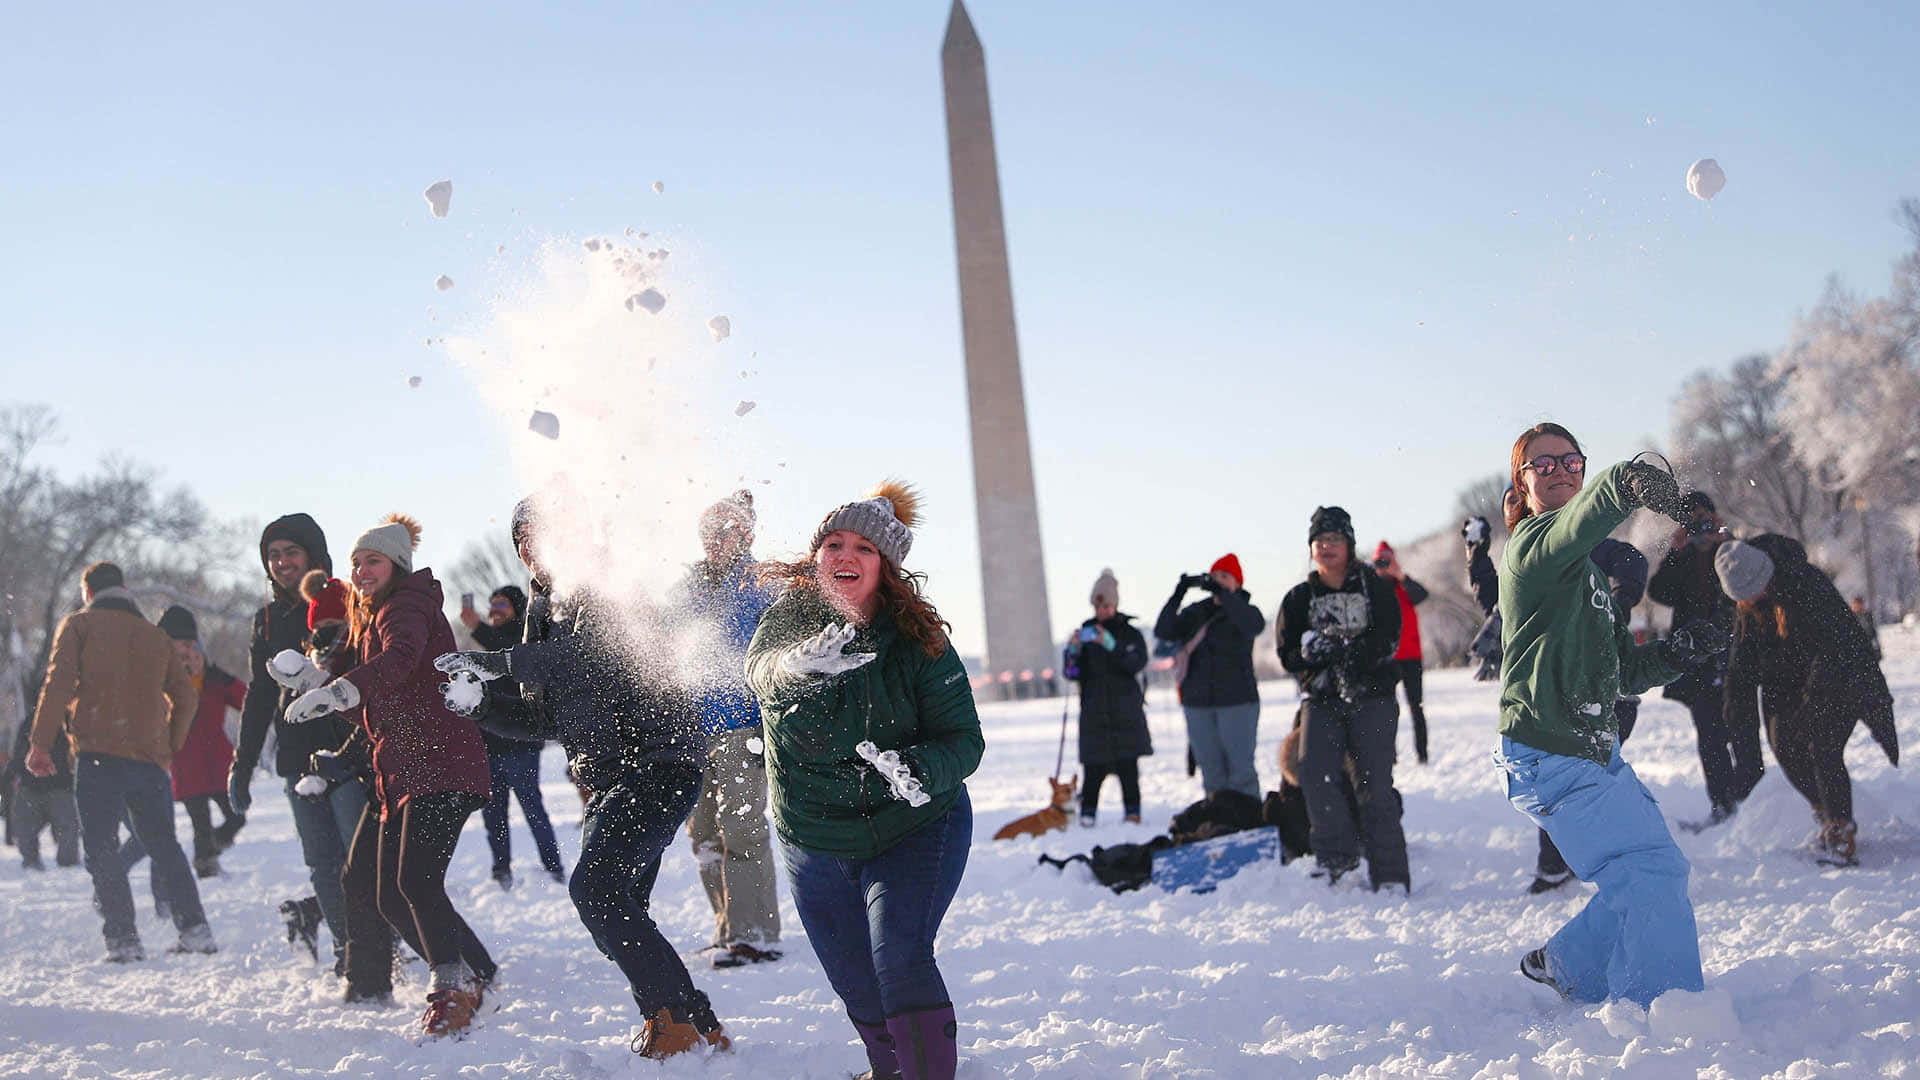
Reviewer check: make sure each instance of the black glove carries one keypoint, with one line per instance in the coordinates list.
(1694, 646)
(1208, 583)
(1322, 650)
(1656, 489)
(1475, 531)
(1196, 581)
(1488, 670)
(329, 766)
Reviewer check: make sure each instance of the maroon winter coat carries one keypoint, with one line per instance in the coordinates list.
(419, 746)
(200, 765)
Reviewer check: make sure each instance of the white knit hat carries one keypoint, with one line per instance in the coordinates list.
(395, 537)
(1106, 587)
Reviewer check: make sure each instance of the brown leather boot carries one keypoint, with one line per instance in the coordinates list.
(664, 1036)
(1838, 840)
(449, 1012)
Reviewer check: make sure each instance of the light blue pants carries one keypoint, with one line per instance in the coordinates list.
(1222, 740)
(1636, 938)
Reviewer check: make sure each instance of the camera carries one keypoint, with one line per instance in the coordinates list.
(1382, 562)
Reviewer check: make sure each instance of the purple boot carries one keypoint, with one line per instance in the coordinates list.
(885, 1064)
(926, 1043)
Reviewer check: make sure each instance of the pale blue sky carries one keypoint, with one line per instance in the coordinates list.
(1263, 257)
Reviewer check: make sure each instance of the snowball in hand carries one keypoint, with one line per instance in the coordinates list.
(1704, 179)
(721, 327)
(465, 692)
(439, 197)
(544, 423)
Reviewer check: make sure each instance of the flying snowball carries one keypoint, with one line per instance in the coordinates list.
(650, 300)
(544, 423)
(659, 188)
(743, 408)
(439, 197)
(721, 327)
(591, 243)
(443, 283)
(1704, 179)
(413, 382)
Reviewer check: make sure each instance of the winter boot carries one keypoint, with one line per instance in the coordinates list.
(1333, 868)
(1087, 821)
(449, 1012)
(224, 833)
(1838, 843)
(1534, 966)
(196, 939)
(207, 865)
(740, 954)
(302, 917)
(665, 1034)
(125, 951)
(883, 1063)
(1132, 817)
(926, 1043)
(368, 995)
(503, 877)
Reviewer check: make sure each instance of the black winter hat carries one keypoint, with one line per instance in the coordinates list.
(179, 624)
(514, 596)
(523, 514)
(1331, 519)
(1699, 500)
(302, 530)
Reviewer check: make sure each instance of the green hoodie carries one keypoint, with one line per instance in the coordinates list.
(1566, 657)
(826, 798)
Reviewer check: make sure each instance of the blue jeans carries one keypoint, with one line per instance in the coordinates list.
(872, 921)
(517, 772)
(1636, 938)
(627, 828)
(325, 827)
(107, 791)
(1222, 740)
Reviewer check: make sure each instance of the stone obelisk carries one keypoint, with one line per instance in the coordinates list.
(1014, 576)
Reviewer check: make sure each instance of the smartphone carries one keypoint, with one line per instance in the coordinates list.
(466, 601)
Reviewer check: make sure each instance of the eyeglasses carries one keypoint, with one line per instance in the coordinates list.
(1573, 461)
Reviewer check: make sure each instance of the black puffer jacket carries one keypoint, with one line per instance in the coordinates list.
(1686, 583)
(280, 624)
(582, 685)
(1821, 675)
(1220, 668)
(1113, 710)
(505, 636)
(1365, 612)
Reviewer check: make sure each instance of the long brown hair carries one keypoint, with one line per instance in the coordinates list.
(900, 594)
(361, 611)
(1754, 613)
(1521, 510)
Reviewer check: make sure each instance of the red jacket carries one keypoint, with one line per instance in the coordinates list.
(200, 766)
(419, 746)
(1409, 592)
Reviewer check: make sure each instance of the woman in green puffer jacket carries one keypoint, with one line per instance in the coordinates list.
(870, 735)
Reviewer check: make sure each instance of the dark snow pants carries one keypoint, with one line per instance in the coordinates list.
(1729, 759)
(1410, 677)
(1127, 769)
(35, 808)
(1332, 732)
(1812, 752)
(207, 840)
(396, 876)
(628, 826)
(516, 773)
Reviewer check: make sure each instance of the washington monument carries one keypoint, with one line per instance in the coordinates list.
(1014, 577)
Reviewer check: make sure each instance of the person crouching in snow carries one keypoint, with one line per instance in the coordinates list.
(1813, 667)
(1339, 630)
(871, 733)
(1106, 656)
(1567, 658)
(633, 741)
(429, 771)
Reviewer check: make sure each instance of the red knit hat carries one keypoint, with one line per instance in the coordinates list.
(326, 598)
(1231, 564)
(1384, 551)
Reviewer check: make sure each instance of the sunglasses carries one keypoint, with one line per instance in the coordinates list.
(1574, 462)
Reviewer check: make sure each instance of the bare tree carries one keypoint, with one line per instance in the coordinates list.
(1734, 443)
(1481, 498)
(486, 565)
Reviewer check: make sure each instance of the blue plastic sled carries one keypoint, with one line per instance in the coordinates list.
(1203, 866)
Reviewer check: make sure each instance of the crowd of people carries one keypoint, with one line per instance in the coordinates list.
(828, 693)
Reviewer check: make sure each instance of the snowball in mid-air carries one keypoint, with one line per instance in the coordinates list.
(1704, 179)
(413, 382)
(443, 283)
(721, 327)
(439, 197)
(544, 423)
(659, 187)
(651, 300)
(743, 408)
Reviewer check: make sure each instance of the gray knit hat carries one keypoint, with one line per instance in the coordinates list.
(1106, 587)
(1744, 570)
(395, 537)
(886, 517)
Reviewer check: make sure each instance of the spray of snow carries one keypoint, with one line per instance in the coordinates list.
(439, 197)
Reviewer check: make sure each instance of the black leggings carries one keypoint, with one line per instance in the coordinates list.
(1410, 675)
(1813, 755)
(397, 872)
(1127, 769)
(200, 812)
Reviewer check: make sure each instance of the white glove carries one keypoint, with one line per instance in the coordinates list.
(464, 693)
(899, 778)
(292, 669)
(337, 696)
(311, 786)
(821, 654)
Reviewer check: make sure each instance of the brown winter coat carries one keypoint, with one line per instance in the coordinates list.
(420, 747)
(116, 686)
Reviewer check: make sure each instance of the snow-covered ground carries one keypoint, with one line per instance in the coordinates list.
(1810, 971)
